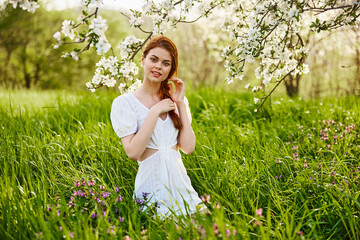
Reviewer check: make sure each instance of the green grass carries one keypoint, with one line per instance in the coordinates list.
(243, 160)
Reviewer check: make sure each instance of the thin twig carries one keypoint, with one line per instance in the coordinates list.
(134, 54)
(94, 13)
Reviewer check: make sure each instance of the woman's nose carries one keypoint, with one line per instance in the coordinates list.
(158, 65)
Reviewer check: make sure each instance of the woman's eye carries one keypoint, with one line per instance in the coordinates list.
(153, 59)
(166, 64)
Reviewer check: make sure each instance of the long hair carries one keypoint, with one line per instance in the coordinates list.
(164, 91)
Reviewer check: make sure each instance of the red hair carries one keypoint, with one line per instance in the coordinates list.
(164, 92)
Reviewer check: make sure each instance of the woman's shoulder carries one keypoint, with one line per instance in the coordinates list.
(123, 98)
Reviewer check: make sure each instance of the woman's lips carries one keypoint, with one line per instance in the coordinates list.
(156, 74)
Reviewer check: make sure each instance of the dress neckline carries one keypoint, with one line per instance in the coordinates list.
(147, 107)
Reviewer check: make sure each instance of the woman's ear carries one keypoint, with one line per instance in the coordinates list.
(142, 60)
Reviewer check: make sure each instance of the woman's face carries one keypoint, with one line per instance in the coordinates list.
(157, 64)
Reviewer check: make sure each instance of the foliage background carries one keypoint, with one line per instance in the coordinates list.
(28, 61)
(54, 132)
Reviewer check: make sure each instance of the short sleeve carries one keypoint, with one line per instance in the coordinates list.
(123, 118)
(187, 108)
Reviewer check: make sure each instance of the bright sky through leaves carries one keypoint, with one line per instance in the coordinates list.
(117, 4)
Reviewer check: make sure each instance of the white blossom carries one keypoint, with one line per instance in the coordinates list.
(67, 29)
(57, 36)
(102, 46)
(128, 69)
(98, 26)
(128, 45)
(74, 55)
(25, 5)
(109, 81)
(293, 12)
(97, 78)
(135, 85)
(256, 88)
(136, 21)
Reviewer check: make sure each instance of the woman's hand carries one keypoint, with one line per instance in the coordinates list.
(163, 106)
(178, 95)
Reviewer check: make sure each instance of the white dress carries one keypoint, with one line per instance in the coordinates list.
(162, 174)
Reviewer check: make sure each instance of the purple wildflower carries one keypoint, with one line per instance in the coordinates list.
(121, 219)
(83, 182)
(119, 199)
(105, 194)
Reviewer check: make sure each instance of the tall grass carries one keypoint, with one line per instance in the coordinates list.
(277, 160)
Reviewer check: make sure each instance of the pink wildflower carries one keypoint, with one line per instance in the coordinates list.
(227, 232)
(216, 229)
(259, 212)
(256, 223)
(205, 199)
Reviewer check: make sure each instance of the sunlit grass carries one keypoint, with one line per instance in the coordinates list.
(276, 160)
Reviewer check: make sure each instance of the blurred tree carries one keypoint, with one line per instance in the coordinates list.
(27, 59)
(356, 84)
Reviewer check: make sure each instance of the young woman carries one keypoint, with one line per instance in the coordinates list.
(153, 123)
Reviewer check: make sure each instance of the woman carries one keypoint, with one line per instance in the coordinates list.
(153, 123)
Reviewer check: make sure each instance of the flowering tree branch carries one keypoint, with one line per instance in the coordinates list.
(266, 30)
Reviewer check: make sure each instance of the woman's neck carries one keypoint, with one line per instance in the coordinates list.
(149, 88)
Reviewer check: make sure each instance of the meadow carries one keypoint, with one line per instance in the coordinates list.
(289, 171)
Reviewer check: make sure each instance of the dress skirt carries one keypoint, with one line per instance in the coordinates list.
(163, 176)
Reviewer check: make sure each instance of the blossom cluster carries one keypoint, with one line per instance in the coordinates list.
(27, 5)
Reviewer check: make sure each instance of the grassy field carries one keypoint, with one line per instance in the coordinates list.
(288, 172)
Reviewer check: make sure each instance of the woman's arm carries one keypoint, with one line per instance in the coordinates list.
(186, 138)
(135, 144)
